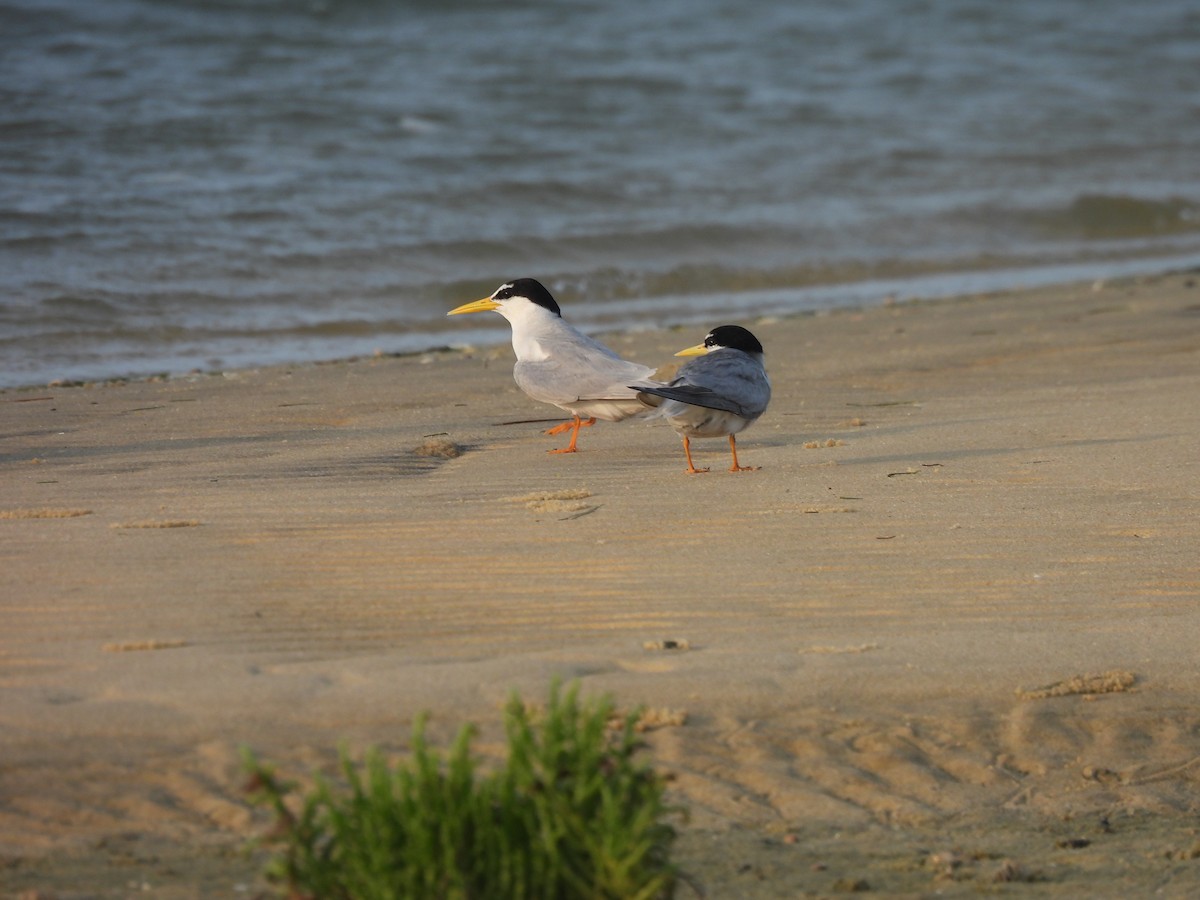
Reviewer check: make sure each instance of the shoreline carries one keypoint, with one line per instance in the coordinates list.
(959, 500)
(775, 294)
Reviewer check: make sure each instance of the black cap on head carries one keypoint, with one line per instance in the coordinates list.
(532, 290)
(735, 337)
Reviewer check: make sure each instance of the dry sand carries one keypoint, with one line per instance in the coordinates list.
(945, 641)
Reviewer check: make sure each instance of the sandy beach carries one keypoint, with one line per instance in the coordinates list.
(944, 641)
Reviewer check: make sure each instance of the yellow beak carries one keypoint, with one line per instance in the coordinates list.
(698, 350)
(483, 305)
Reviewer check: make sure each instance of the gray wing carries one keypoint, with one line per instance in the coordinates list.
(579, 367)
(695, 396)
(727, 380)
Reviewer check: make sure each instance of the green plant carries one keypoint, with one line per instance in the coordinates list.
(571, 813)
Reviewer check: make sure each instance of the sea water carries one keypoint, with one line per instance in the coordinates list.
(204, 184)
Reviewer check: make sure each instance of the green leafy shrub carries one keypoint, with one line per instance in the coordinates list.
(571, 813)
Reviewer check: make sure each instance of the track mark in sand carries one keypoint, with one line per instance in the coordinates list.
(1112, 682)
(832, 769)
(652, 718)
(564, 501)
(131, 646)
(859, 648)
(43, 513)
(1150, 775)
(193, 794)
(158, 523)
(182, 795)
(428, 456)
(661, 657)
(645, 718)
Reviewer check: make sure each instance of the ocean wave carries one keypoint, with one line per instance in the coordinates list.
(1113, 216)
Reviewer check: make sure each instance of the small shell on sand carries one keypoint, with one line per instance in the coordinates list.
(667, 644)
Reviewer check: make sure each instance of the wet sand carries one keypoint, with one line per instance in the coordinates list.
(943, 641)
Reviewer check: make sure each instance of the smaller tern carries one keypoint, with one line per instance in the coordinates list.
(721, 393)
(560, 365)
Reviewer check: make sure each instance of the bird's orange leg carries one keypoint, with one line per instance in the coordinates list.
(735, 467)
(576, 425)
(687, 450)
(559, 429)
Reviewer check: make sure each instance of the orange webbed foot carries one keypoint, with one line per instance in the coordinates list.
(735, 467)
(576, 425)
(687, 450)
